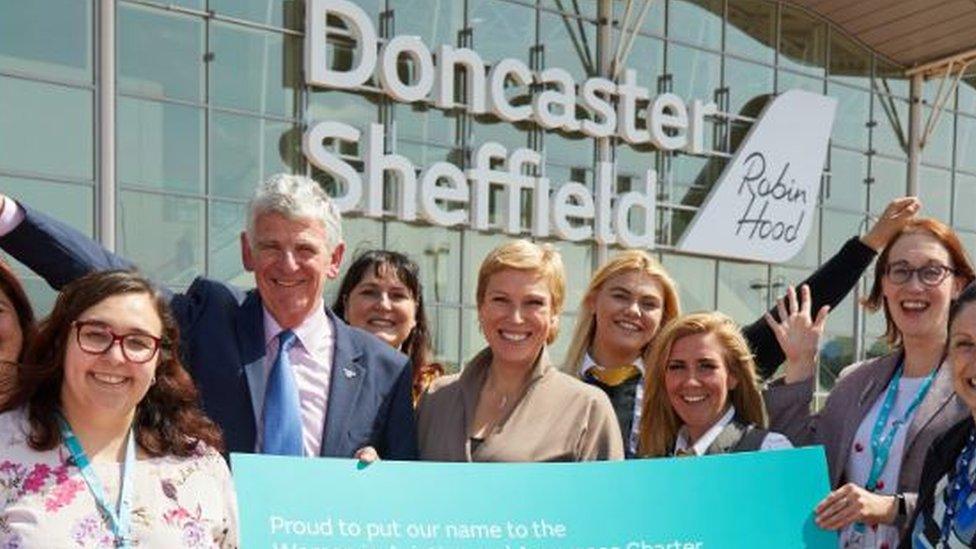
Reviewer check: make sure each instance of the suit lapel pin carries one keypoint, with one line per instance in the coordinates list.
(349, 373)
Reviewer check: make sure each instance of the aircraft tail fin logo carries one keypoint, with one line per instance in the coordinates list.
(762, 206)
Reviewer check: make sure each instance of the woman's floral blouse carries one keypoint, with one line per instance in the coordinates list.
(44, 501)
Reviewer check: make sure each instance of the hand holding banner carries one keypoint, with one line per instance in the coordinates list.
(736, 500)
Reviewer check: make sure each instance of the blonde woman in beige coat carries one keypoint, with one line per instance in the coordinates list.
(510, 403)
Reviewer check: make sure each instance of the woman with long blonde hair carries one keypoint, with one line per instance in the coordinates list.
(703, 392)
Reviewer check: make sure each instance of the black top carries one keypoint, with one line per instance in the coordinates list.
(940, 463)
(622, 397)
(738, 436)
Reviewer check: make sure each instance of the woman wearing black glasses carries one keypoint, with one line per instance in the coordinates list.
(884, 413)
(103, 442)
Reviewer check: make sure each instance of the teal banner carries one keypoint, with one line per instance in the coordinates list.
(737, 500)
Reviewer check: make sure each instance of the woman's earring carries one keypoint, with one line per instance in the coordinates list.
(152, 381)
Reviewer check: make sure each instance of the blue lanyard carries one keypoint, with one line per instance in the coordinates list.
(958, 490)
(120, 519)
(881, 438)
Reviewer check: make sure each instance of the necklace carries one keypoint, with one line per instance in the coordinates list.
(502, 399)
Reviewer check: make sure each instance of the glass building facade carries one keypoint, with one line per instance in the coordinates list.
(210, 99)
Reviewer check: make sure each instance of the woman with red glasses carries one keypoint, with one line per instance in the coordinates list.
(884, 413)
(103, 442)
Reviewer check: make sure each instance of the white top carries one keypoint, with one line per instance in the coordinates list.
(859, 459)
(772, 441)
(633, 439)
(11, 215)
(176, 501)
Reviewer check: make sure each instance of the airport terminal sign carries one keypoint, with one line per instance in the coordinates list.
(736, 500)
(443, 194)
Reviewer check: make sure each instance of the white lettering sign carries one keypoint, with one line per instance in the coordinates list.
(761, 208)
(443, 191)
(666, 117)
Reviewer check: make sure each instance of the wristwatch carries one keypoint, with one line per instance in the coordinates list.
(902, 508)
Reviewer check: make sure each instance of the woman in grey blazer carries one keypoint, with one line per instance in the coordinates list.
(883, 413)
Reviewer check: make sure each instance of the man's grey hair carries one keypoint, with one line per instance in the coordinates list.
(295, 197)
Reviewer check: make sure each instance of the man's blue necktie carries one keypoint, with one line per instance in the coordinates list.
(281, 417)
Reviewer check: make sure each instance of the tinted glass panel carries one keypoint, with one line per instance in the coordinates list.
(891, 131)
(247, 150)
(160, 53)
(255, 70)
(437, 251)
(501, 30)
(435, 23)
(51, 38)
(226, 220)
(69, 203)
(696, 22)
(695, 278)
(445, 332)
(848, 170)
(568, 43)
(696, 73)
(803, 42)
(838, 228)
(966, 143)
(935, 190)
(965, 190)
(751, 29)
(744, 290)
(277, 13)
(889, 182)
(46, 129)
(160, 145)
(849, 62)
(853, 114)
(938, 147)
(747, 83)
(653, 21)
(163, 235)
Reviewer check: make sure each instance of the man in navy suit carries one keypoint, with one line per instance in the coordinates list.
(276, 369)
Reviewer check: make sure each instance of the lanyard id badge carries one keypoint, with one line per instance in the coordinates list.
(119, 518)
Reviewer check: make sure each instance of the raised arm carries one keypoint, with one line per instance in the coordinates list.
(798, 334)
(831, 283)
(54, 251)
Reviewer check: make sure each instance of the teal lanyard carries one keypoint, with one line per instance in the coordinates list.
(119, 519)
(881, 438)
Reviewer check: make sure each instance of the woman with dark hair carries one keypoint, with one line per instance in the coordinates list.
(381, 293)
(945, 515)
(104, 443)
(16, 327)
(16, 316)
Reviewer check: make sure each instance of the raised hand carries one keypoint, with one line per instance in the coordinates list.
(894, 218)
(798, 333)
